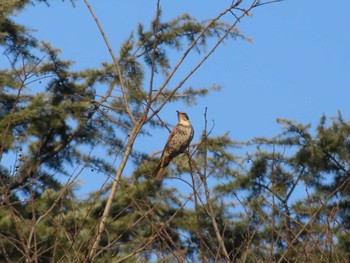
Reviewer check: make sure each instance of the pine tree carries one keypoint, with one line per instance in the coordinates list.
(51, 115)
(294, 194)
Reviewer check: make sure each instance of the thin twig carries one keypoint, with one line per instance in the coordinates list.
(115, 62)
(210, 209)
(184, 56)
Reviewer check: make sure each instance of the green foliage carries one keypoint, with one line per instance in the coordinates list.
(283, 199)
(295, 191)
(52, 118)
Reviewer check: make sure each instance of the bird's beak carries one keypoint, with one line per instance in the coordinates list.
(177, 112)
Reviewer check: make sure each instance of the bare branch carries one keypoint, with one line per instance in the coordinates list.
(115, 61)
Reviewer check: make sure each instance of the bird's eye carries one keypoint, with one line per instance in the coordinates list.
(185, 115)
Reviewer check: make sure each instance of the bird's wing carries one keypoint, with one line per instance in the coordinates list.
(166, 154)
(171, 136)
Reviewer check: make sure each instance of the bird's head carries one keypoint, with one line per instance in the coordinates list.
(183, 118)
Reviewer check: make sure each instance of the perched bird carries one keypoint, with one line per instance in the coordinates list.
(178, 141)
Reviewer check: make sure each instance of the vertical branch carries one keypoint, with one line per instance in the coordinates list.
(288, 225)
(115, 62)
(135, 130)
(196, 206)
(155, 43)
(102, 225)
(33, 230)
(272, 240)
(210, 209)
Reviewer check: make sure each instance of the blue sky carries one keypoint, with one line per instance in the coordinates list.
(297, 68)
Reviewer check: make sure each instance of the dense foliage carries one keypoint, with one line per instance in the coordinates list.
(286, 199)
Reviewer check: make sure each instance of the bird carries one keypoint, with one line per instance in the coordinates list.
(178, 141)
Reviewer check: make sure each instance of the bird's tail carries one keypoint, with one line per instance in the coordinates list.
(159, 172)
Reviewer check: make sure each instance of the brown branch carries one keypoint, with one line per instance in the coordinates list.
(202, 244)
(102, 224)
(115, 62)
(313, 216)
(153, 68)
(210, 209)
(184, 56)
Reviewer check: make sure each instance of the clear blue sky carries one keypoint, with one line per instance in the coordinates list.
(298, 67)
